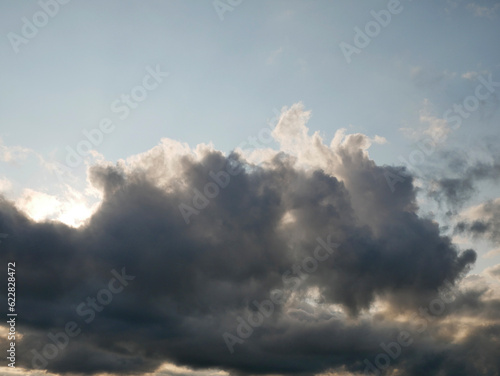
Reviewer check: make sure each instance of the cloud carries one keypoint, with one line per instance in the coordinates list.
(424, 77)
(482, 221)
(494, 271)
(471, 75)
(465, 168)
(492, 253)
(194, 281)
(71, 207)
(481, 10)
(437, 129)
(14, 154)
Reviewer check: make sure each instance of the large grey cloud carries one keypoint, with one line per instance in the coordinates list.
(192, 281)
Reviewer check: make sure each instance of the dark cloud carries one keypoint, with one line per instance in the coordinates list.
(458, 180)
(190, 283)
(483, 222)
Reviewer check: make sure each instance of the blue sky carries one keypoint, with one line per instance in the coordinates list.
(228, 76)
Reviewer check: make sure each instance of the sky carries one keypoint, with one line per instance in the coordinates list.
(249, 187)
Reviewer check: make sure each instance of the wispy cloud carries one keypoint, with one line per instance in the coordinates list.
(482, 10)
(14, 154)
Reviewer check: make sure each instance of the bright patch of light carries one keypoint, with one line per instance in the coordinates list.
(72, 209)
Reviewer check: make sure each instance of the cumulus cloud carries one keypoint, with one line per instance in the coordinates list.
(250, 227)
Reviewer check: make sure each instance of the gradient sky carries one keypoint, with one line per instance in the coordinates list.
(232, 74)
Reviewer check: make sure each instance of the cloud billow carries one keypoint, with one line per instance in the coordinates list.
(192, 281)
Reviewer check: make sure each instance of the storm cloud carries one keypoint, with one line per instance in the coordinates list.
(190, 281)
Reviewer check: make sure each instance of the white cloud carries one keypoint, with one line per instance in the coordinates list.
(19, 371)
(483, 10)
(471, 75)
(492, 253)
(13, 153)
(479, 212)
(494, 272)
(169, 369)
(437, 128)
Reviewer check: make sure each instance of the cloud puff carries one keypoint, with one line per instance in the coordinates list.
(456, 182)
(482, 221)
(13, 154)
(249, 226)
(494, 271)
